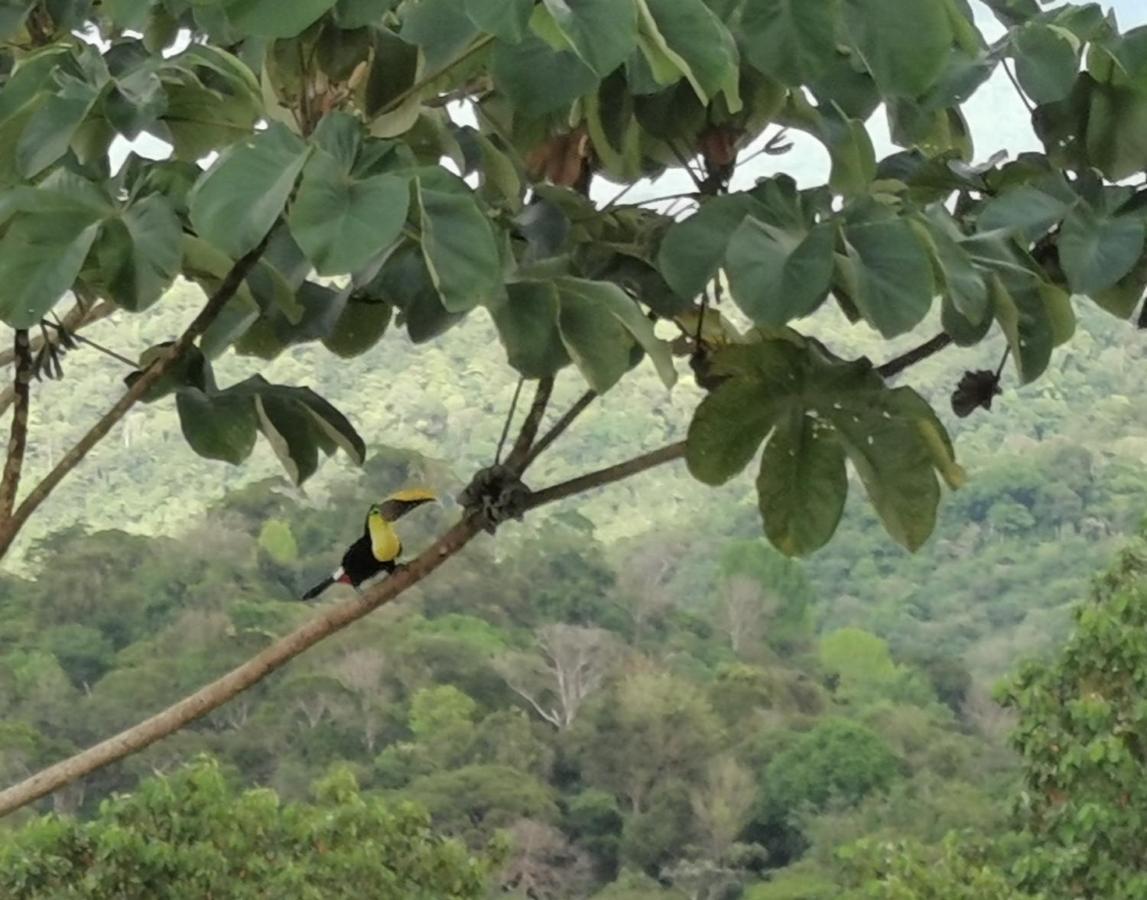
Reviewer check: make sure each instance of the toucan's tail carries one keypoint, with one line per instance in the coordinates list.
(319, 588)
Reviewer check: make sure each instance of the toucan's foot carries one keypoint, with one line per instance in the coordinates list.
(399, 568)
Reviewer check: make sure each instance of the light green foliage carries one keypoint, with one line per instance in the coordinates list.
(193, 834)
(1080, 728)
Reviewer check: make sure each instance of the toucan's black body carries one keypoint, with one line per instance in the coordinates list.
(378, 549)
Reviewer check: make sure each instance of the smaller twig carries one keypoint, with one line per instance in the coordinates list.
(530, 426)
(1003, 361)
(606, 476)
(509, 421)
(77, 317)
(427, 80)
(918, 354)
(1019, 90)
(100, 347)
(559, 427)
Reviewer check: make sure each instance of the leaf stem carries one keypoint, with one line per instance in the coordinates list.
(559, 427)
(516, 460)
(509, 421)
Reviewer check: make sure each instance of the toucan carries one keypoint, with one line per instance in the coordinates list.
(379, 547)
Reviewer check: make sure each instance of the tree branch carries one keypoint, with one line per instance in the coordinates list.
(559, 427)
(10, 527)
(218, 692)
(244, 676)
(517, 458)
(606, 476)
(916, 355)
(18, 440)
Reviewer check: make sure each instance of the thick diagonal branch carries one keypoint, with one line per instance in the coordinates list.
(10, 527)
(18, 438)
(257, 668)
(218, 692)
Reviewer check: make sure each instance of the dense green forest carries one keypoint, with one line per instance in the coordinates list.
(640, 699)
(364, 246)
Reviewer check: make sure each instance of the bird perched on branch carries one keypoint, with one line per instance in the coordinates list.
(379, 547)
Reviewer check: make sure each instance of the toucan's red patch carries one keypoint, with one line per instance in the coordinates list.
(343, 579)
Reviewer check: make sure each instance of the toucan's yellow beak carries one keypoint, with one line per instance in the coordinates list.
(412, 495)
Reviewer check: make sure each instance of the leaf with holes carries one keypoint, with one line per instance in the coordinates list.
(802, 485)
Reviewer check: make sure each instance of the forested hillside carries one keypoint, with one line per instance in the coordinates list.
(642, 689)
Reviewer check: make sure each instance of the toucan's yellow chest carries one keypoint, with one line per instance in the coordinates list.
(384, 543)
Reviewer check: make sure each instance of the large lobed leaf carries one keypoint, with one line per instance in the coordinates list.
(815, 411)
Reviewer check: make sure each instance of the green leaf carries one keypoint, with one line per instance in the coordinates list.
(603, 33)
(53, 125)
(905, 50)
(239, 198)
(1030, 209)
(1117, 131)
(288, 431)
(359, 327)
(692, 250)
(273, 18)
(527, 324)
(507, 19)
(360, 13)
(802, 485)
(43, 250)
(793, 41)
(536, 78)
(342, 222)
(140, 252)
(1097, 250)
(1047, 61)
(217, 426)
(727, 430)
(457, 243)
(698, 44)
(895, 462)
(1024, 320)
(891, 275)
(598, 324)
(777, 275)
(815, 406)
(957, 277)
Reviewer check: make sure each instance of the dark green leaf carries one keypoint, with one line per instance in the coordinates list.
(802, 485)
(341, 222)
(700, 46)
(890, 276)
(273, 18)
(727, 430)
(603, 33)
(1097, 250)
(508, 19)
(217, 426)
(793, 41)
(905, 51)
(527, 323)
(1047, 61)
(777, 275)
(457, 242)
(140, 252)
(693, 249)
(239, 198)
(361, 325)
(536, 78)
